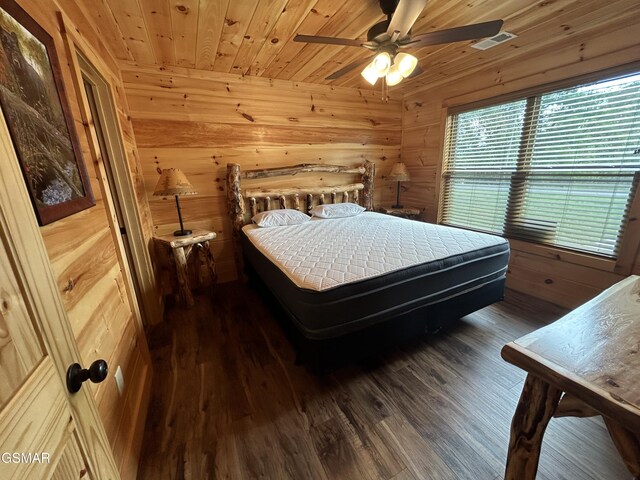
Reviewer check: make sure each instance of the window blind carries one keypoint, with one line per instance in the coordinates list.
(483, 146)
(558, 168)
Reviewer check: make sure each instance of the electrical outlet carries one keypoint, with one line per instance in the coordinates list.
(119, 380)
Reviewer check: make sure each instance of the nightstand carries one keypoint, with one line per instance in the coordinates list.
(405, 212)
(181, 250)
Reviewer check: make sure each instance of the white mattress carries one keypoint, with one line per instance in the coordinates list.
(326, 253)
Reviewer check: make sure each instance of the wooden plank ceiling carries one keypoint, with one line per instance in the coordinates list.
(254, 37)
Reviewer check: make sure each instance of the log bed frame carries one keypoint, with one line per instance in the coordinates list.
(303, 199)
(325, 354)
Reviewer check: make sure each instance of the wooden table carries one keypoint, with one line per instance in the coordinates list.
(592, 355)
(181, 249)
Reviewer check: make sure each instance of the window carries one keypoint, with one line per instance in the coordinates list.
(559, 168)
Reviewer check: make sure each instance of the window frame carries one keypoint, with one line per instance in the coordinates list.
(630, 242)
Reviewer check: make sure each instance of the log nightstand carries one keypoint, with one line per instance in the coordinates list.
(181, 249)
(405, 212)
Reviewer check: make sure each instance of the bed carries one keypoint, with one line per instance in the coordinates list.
(349, 287)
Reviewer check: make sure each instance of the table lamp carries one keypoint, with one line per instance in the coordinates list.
(399, 173)
(173, 182)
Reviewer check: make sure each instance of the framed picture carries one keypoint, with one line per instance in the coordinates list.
(37, 113)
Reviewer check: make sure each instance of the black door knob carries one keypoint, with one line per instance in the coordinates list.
(76, 375)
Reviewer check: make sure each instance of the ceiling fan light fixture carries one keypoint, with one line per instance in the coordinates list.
(394, 76)
(381, 64)
(406, 63)
(386, 37)
(370, 74)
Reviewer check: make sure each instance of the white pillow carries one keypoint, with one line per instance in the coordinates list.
(337, 210)
(278, 218)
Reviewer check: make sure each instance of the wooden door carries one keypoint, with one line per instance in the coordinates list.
(45, 432)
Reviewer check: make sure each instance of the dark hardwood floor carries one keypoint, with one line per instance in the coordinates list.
(228, 402)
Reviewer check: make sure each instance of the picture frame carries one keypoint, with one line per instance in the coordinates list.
(37, 113)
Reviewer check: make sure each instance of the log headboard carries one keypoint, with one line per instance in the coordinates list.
(261, 199)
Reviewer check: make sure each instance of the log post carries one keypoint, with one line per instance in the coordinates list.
(356, 197)
(234, 196)
(206, 260)
(283, 201)
(254, 206)
(210, 263)
(267, 204)
(296, 201)
(537, 405)
(309, 203)
(333, 197)
(235, 205)
(321, 199)
(367, 179)
(627, 443)
(345, 197)
(182, 271)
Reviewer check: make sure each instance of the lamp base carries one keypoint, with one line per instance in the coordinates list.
(182, 233)
(397, 206)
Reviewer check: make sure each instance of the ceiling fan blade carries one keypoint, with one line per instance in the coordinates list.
(406, 14)
(457, 34)
(348, 68)
(328, 40)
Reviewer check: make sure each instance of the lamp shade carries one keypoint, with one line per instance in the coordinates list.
(399, 173)
(393, 76)
(370, 75)
(173, 182)
(381, 64)
(406, 64)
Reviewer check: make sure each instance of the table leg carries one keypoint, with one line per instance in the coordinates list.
(628, 445)
(182, 273)
(537, 404)
(201, 263)
(210, 262)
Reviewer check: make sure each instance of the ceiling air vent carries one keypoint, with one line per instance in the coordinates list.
(493, 41)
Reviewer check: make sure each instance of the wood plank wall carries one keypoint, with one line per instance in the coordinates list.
(550, 275)
(83, 256)
(200, 120)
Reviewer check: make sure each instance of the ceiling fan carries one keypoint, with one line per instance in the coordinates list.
(387, 38)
